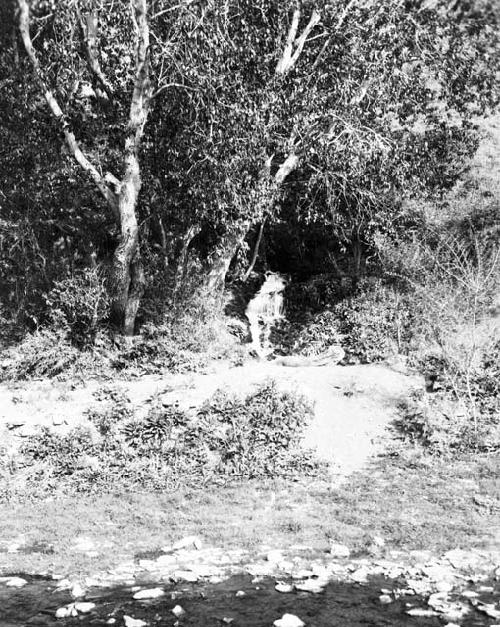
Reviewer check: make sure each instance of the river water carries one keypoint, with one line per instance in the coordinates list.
(214, 605)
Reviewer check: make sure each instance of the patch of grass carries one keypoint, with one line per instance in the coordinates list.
(413, 502)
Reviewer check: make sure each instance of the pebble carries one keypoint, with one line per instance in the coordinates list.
(78, 591)
(275, 556)
(84, 607)
(187, 541)
(284, 587)
(178, 611)
(66, 611)
(133, 622)
(16, 582)
(385, 599)
(289, 620)
(360, 575)
(151, 593)
(417, 611)
(185, 575)
(339, 550)
(311, 585)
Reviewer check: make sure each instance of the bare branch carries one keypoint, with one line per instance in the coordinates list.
(71, 141)
(141, 95)
(163, 88)
(88, 27)
(315, 18)
(289, 165)
(286, 57)
(289, 58)
(338, 26)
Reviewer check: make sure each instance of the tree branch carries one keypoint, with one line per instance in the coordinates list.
(71, 141)
(141, 95)
(286, 57)
(88, 27)
(288, 60)
(288, 166)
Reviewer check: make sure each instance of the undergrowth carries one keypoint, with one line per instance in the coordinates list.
(228, 438)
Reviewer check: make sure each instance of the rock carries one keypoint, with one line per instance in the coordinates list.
(78, 591)
(490, 609)
(289, 620)
(73, 609)
(436, 572)
(311, 585)
(339, 550)
(275, 556)
(133, 622)
(66, 611)
(304, 573)
(284, 587)
(187, 541)
(84, 607)
(470, 594)
(240, 593)
(360, 575)
(418, 611)
(443, 586)
(185, 575)
(111, 621)
(178, 611)
(150, 593)
(16, 582)
(465, 560)
(385, 599)
(419, 586)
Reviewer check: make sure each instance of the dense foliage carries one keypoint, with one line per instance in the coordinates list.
(228, 438)
(377, 102)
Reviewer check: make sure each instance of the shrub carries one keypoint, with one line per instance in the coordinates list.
(117, 411)
(79, 304)
(318, 334)
(255, 436)
(375, 323)
(236, 437)
(64, 453)
(155, 351)
(157, 430)
(44, 353)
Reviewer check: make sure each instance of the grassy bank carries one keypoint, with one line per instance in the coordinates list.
(415, 502)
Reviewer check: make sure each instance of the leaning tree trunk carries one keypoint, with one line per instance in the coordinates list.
(221, 259)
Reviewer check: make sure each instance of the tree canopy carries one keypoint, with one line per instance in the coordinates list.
(131, 131)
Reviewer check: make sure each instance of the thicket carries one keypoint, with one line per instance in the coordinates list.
(229, 438)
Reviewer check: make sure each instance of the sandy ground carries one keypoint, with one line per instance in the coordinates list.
(353, 404)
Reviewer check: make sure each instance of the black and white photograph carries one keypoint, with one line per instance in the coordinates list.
(250, 313)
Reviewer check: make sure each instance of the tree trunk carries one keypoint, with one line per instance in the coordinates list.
(190, 234)
(222, 257)
(128, 279)
(249, 271)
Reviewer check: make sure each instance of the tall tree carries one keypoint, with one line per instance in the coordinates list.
(121, 194)
(356, 101)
